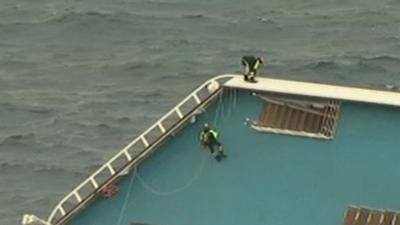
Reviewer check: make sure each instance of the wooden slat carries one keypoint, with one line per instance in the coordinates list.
(293, 105)
(362, 217)
(302, 123)
(317, 124)
(289, 119)
(282, 117)
(277, 117)
(271, 109)
(397, 222)
(309, 122)
(351, 215)
(274, 115)
(388, 218)
(375, 217)
(313, 124)
(264, 113)
(293, 120)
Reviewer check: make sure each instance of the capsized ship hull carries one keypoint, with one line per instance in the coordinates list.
(274, 173)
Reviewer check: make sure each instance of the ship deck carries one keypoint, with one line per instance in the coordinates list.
(267, 179)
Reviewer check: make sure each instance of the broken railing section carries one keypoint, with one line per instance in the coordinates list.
(115, 166)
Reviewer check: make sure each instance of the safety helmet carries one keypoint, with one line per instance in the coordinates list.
(206, 127)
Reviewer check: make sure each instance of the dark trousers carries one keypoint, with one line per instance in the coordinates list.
(212, 144)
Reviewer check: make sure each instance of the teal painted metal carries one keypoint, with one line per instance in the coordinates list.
(267, 179)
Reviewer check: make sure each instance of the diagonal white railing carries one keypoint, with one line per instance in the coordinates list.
(92, 184)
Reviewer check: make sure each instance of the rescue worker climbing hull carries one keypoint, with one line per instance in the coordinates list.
(209, 139)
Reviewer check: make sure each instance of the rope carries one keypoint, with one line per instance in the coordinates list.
(217, 111)
(235, 99)
(177, 190)
(222, 105)
(230, 103)
(125, 203)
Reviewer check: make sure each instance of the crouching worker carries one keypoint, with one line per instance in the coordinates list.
(209, 139)
(251, 65)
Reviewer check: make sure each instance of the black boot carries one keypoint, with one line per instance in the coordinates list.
(223, 155)
(221, 152)
(252, 79)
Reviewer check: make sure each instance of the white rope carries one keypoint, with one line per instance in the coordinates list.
(217, 110)
(235, 100)
(177, 190)
(230, 103)
(125, 203)
(222, 112)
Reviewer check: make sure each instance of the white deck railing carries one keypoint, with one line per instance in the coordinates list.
(92, 184)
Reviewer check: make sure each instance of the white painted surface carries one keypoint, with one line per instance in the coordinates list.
(317, 90)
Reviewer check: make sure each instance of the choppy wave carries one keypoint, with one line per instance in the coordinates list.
(40, 169)
(382, 59)
(122, 16)
(365, 64)
(37, 109)
(40, 200)
(17, 63)
(58, 17)
(93, 167)
(123, 120)
(149, 94)
(62, 16)
(385, 64)
(18, 138)
(72, 15)
(81, 125)
(323, 65)
(369, 13)
(194, 16)
(45, 170)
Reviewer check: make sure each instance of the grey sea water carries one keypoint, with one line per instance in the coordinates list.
(80, 78)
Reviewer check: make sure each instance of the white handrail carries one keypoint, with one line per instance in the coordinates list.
(107, 165)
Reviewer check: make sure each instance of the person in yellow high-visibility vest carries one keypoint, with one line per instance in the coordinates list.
(251, 65)
(209, 138)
